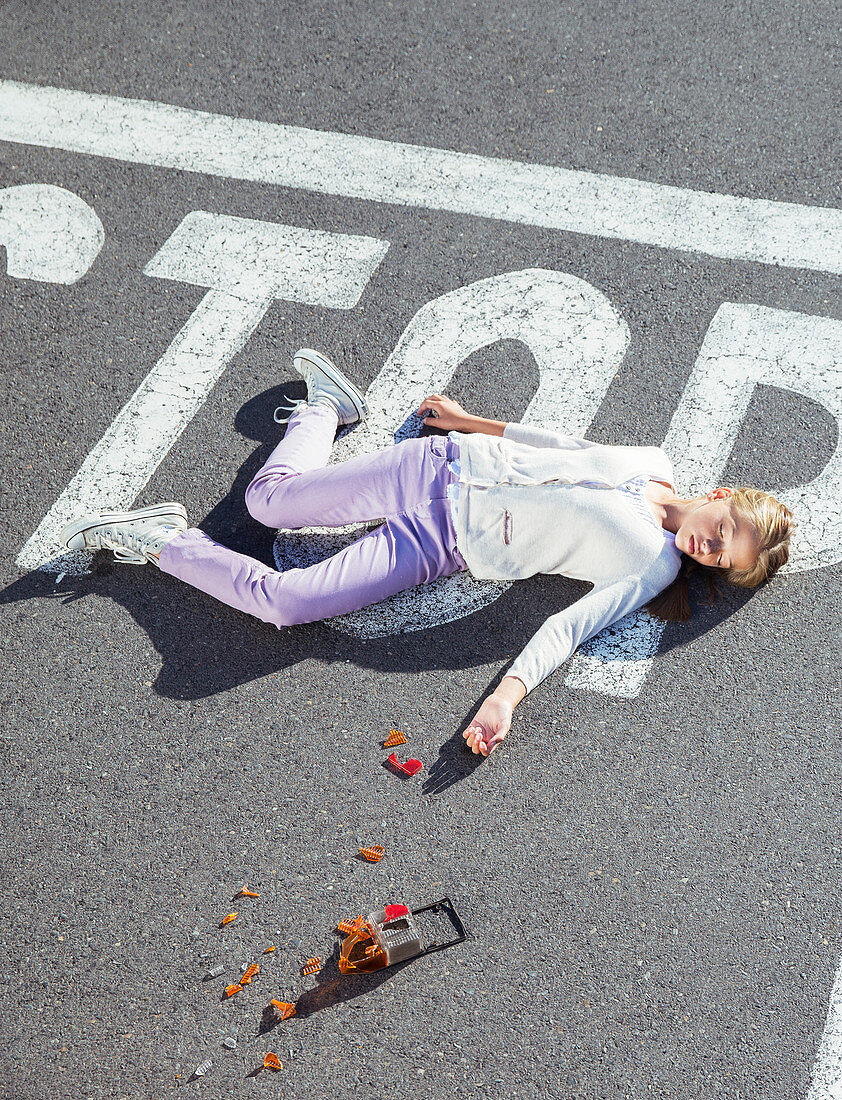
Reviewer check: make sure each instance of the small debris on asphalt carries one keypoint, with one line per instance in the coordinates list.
(215, 971)
(252, 971)
(313, 965)
(230, 990)
(246, 893)
(227, 919)
(202, 1068)
(272, 1061)
(373, 854)
(395, 738)
(229, 1042)
(268, 950)
(284, 1008)
(411, 767)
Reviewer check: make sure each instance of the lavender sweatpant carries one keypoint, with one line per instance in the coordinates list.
(405, 485)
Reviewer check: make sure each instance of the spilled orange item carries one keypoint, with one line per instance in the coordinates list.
(230, 990)
(395, 738)
(246, 893)
(272, 1061)
(268, 950)
(365, 960)
(346, 926)
(228, 919)
(313, 966)
(373, 854)
(284, 1007)
(249, 974)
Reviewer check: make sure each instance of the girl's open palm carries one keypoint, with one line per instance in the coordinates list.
(489, 727)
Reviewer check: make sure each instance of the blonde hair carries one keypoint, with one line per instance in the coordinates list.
(773, 524)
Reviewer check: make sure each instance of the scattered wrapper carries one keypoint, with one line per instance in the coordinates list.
(373, 854)
(284, 1008)
(252, 971)
(411, 767)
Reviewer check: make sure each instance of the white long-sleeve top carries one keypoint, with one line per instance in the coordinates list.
(533, 501)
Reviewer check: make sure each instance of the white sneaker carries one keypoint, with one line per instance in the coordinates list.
(135, 537)
(326, 385)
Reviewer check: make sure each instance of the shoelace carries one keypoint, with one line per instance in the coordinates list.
(126, 547)
(291, 409)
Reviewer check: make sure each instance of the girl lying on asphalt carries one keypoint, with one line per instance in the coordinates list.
(504, 501)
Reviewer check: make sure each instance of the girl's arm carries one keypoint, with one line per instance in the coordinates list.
(451, 417)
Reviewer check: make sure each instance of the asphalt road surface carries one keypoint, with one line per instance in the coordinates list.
(648, 869)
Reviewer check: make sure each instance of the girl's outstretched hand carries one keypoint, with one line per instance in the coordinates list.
(447, 413)
(490, 725)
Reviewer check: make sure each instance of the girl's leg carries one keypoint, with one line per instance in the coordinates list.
(410, 548)
(296, 489)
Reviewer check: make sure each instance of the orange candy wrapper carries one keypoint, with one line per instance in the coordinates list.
(272, 1061)
(395, 738)
(284, 1007)
(230, 990)
(373, 854)
(313, 966)
(352, 956)
(268, 950)
(246, 893)
(253, 970)
(228, 919)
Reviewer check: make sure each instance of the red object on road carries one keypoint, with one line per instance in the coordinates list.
(411, 767)
(392, 912)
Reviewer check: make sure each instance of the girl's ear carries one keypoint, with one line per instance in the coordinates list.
(722, 493)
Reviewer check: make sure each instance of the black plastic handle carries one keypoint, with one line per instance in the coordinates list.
(446, 905)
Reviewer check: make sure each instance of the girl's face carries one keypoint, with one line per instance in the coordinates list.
(713, 533)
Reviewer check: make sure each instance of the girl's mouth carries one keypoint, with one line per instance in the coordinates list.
(691, 546)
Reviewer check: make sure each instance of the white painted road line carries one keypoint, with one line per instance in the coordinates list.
(746, 346)
(267, 261)
(826, 1083)
(143, 132)
(50, 234)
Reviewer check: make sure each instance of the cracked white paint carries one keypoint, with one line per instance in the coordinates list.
(826, 1082)
(617, 660)
(268, 261)
(745, 346)
(578, 340)
(256, 259)
(50, 234)
(144, 132)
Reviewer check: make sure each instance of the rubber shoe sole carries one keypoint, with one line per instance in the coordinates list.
(73, 534)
